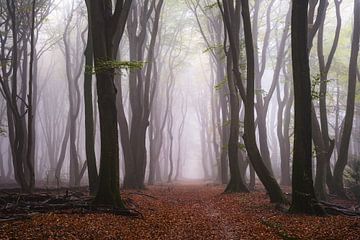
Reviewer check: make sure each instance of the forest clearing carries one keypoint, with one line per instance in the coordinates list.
(187, 211)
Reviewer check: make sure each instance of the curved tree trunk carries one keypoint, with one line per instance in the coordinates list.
(350, 104)
(262, 171)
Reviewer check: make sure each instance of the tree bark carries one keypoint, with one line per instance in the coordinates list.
(107, 27)
(89, 112)
(303, 197)
(350, 104)
(262, 171)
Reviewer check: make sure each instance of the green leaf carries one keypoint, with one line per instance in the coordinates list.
(103, 66)
(211, 6)
(221, 84)
(213, 48)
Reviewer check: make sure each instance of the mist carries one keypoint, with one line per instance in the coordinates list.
(155, 93)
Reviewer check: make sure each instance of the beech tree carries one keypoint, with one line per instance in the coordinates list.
(21, 21)
(231, 18)
(325, 146)
(247, 94)
(89, 112)
(303, 193)
(349, 116)
(107, 24)
(74, 63)
(141, 86)
(211, 27)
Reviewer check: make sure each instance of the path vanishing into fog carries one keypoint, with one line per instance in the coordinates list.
(186, 210)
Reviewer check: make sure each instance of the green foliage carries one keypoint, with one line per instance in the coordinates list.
(211, 6)
(211, 48)
(315, 83)
(104, 66)
(2, 130)
(352, 177)
(315, 86)
(228, 122)
(352, 172)
(221, 84)
(241, 147)
(260, 92)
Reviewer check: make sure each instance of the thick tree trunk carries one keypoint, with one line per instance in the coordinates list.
(107, 28)
(303, 197)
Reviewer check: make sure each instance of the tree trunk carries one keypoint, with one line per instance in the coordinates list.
(264, 174)
(236, 183)
(107, 27)
(350, 104)
(62, 152)
(303, 197)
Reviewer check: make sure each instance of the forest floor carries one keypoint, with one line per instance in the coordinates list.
(186, 211)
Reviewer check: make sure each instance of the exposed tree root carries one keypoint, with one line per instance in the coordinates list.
(142, 194)
(23, 206)
(333, 209)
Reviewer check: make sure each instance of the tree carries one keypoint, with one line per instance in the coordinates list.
(179, 161)
(231, 18)
(74, 62)
(283, 127)
(140, 81)
(31, 126)
(247, 96)
(262, 103)
(168, 56)
(203, 119)
(349, 116)
(18, 81)
(303, 197)
(323, 144)
(107, 26)
(89, 112)
(212, 32)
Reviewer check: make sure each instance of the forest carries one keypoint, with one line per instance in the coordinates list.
(179, 119)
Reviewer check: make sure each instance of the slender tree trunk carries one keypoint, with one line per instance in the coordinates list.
(236, 183)
(89, 112)
(265, 176)
(171, 139)
(62, 152)
(350, 104)
(31, 126)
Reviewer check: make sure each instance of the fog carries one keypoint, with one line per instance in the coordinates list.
(182, 57)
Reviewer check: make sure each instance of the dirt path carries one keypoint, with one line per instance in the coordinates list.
(195, 211)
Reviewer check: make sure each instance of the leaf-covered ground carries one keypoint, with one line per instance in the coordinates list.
(186, 212)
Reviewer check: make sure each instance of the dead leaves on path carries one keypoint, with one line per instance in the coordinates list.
(186, 212)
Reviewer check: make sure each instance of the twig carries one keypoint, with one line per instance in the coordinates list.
(142, 194)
